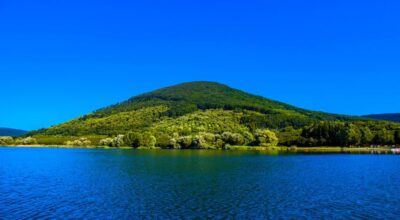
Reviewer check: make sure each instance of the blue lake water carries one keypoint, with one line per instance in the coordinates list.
(40, 183)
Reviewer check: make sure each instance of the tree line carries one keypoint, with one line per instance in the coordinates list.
(202, 140)
(346, 134)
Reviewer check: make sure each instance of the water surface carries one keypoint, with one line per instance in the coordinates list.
(134, 184)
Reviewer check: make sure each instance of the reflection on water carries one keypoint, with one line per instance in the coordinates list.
(126, 184)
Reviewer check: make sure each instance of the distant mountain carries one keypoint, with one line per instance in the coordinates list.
(169, 105)
(11, 132)
(395, 117)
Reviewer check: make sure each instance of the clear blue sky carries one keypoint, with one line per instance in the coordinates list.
(60, 59)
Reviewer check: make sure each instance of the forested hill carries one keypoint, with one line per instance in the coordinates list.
(212, 115)
(193, 96)
(141, 112)
(386, 117)
(11, 132)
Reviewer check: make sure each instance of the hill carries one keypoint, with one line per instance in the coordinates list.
(386, 117)
(11, 132)
(200, 113)
(145, 110)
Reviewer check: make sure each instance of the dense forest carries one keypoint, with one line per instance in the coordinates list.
(212, 115)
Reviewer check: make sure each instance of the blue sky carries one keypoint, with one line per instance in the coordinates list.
(60, 59)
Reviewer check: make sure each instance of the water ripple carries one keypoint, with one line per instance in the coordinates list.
(114, 184)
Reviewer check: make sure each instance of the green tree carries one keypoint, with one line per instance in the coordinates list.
(148, 140)
(352, 135)
(383, 137)
(266, 138)
(366, 136)
(133, 139)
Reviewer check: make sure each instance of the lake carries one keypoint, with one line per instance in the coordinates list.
(45, 183)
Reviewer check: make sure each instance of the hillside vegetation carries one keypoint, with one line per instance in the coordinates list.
(212, 115)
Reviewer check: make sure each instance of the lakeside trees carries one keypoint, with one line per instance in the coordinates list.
(199, 140)
(217, 128)
(344, 134)
(204, 131)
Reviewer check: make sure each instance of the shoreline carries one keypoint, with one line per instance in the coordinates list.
(305, 150)
(63, 146)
